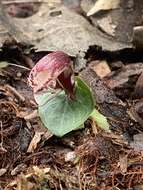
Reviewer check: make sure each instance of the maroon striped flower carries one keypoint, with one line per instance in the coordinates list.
(54, 71)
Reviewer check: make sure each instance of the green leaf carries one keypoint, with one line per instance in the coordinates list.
(61, 115)
(100, 119)
(3, 64)
(43, 98)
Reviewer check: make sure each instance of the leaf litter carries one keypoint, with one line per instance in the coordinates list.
(85, 159)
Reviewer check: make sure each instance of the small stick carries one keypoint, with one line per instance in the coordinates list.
(20, 66)
(15, 92)
(32, 115)
(1, 128)
(29, 1)
(2, 149)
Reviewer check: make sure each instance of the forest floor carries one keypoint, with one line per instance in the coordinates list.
(106, 48)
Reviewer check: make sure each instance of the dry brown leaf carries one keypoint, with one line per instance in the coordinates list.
(36, 139)
(106, 25)
(94, 127)
(123, 162)
(68, 31)
(137, 144)
(101, 68)
(18, 169)
(29, 1)
(138, 91)
(103, 5)
(40, 172)
(2, 171)
(121, 77)
(24, 184)
(32, 115)
(138, 36)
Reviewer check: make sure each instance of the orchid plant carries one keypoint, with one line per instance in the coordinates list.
(64, 101)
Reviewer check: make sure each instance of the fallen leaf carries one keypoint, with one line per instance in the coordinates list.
(18, 169)
(68, 32)
(103, 5)
(123, 75)
(106, 25)
(36, 139)
(123, 163)
(30, 116)
(138, 36)
(94, 126)
(138, 91)
(40, 172)
(2, 171)
(137, 142)
(101, 68)
(100, 91)
(24, 184)
(136, 112)
(9, 30)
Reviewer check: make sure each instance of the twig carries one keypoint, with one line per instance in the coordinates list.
(130, 181)
(15, 92)
(2, 149)
(29, 1)
(1, 128)
(20, 66)
(21, 1)
(32, 115)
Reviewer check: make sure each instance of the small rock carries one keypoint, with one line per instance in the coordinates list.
(19, 74)
(70, 156)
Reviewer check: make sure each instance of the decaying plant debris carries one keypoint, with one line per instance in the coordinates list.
(90, 158)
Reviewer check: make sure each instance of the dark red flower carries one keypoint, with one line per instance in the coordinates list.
(54, 71)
